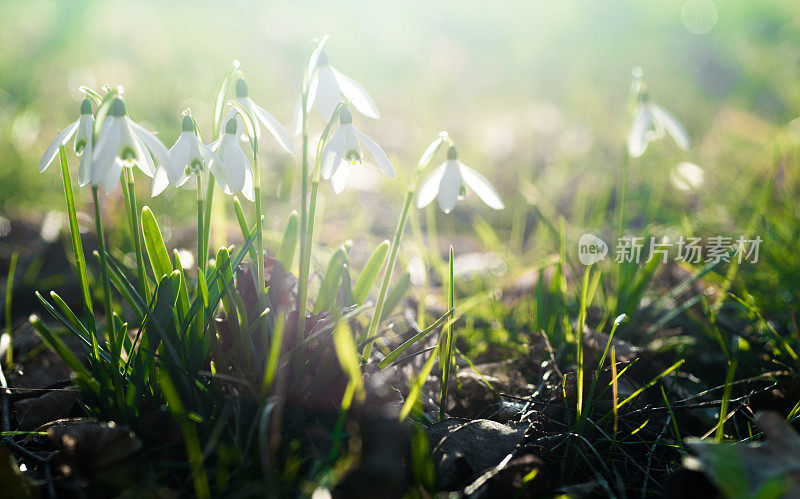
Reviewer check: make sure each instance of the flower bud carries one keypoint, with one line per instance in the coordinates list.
(117, 108)
(188, 124)
(230, 127)
(241, 88)
(86, 106)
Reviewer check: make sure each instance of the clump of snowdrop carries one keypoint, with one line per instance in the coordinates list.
(123, 143)
(236, 173)
(190, 157)
(260, 117)
(448, 183)
(328, 87)
(82, 129)
(343, 151)
(651, 121)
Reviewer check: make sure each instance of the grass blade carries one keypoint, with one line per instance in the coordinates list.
(154, 243)
(370, 273)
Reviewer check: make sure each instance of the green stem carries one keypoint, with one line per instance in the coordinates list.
(262, 293)
(387, 273)
(623, 191)
(12, 267)
(449, 335)
(136, 233)
(111, 325)
(207, 224)
(302, 296)
(201, 256)
(77, 245)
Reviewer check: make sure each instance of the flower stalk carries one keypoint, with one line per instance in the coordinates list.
(111, 325)
(372, 329)
(135, 232)
(307, 229)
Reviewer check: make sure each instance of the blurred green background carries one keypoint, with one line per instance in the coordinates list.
(532, 91)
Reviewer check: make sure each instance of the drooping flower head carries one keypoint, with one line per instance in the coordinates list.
(235, 173)
(81, 128)
(328, 87)
(260, 117)
(124, 143)
(189, 157)
(651, 121)
(448, 183)
(343, 151)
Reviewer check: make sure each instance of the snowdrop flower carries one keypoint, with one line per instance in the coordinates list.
(82, 129)
(260, 118)
(235, 173)
(447, 184)
(343, 151)
(327, 88)
(124, 143)
(189, 157)
(651, 122)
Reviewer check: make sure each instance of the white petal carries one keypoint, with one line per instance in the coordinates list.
(219, 174)
(380, 156)
(110, 176)
(145, 162)
(209, 156)
(430, 187)
(84, 173)
(274, 127)
(297, 116)
(481, 186)
(156, 147)
(236, 164)
(179, 152)
(449, 187)
(332, 154)
(160, 181)
(351, 142)
(84, 132)
(313, 88)
(637, 136)
(328, 93)
(355, 93)
(671, 124)
(61, 139)
(340, 176)
(248, 190)
(105, 151)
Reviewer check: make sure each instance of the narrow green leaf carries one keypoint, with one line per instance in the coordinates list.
(156, 250)
(159, 324)
(348, 356)
(396, 295)
(289, 243)
(347, 287)
(402, 348)
(75, 235)
(12, 267)
(326, 298)
(240, 217)
(54, 343)
(183, 293)
(416, 388)
(370, 273)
